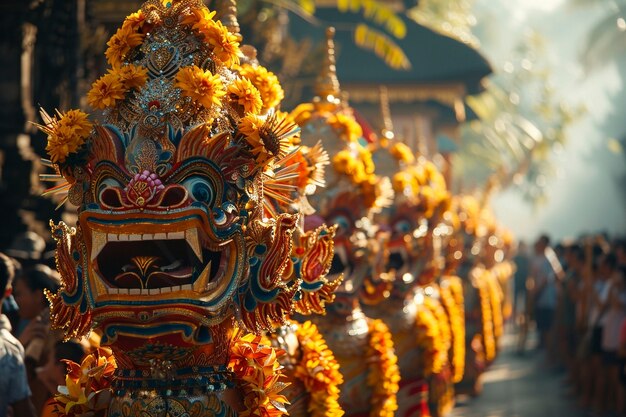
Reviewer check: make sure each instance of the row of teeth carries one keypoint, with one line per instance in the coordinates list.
(151, 291)
(100, 239)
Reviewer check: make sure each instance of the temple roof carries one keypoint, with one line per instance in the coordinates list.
(435, 58)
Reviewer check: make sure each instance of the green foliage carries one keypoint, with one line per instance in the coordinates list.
(377, 12)
(383, 46)
(607, 38)
(452, 18)
(520, 122)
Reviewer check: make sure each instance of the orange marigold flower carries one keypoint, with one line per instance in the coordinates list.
(105, 91)
(255, 365)
(120, 44)
(132, 76)
(266, 82)
(198, 18)
(67, 132)
(242, 92)
(201, 86)
(225, 45)
(134, 21)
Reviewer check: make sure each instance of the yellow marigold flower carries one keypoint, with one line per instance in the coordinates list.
(346, 126)
(132, 76)
(225, 44)
(66, 134)
(266, 82)
(77, 121)
(249, 126)
(402, 152)
(345, 163)
(403, 184)
(120, 44)
(105, 91)
(366, 159)
(134, 21)
(243, 93)
(302, 114)
(198, 18)
(370, 190)
(201, 86)
(268, 138)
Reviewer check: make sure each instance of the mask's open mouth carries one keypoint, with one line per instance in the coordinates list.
(158, 263)
(396, 261)
(340, 263)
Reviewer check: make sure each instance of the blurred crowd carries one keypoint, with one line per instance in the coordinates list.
(31, 354)
(575, 292)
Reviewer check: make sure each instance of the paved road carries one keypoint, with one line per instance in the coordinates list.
(519, 387)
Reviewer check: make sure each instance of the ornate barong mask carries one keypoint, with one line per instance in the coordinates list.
(174, 244)
(413, 221)
(353, 192)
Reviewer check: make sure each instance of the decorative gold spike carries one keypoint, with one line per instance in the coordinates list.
(385, 112)
(227, 13)
(327, 85)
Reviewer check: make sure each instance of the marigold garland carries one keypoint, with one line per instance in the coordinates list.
(402, 152)
(201, 86)
(87, 386)
(255, 364)
(345, 125)
(456, 316)
(429, 340)
(487, 335)
(443, 324)
(384, 375)
(356, 163)
(495, 298)
(67, 133)
(266, 82)
(319, 371)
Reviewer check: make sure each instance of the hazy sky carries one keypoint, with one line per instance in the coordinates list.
(584, 197)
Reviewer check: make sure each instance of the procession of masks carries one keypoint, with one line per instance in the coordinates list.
(234, 259)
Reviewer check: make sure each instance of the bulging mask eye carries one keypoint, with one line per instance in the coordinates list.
(200, 190)
(343, 224)
(402, 227)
